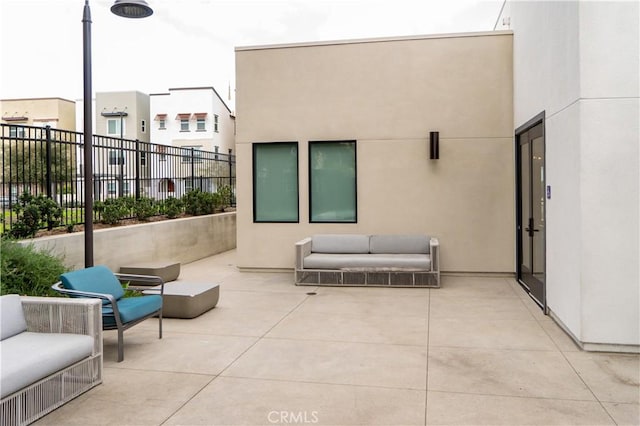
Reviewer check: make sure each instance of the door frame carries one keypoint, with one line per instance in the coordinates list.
(539, 119)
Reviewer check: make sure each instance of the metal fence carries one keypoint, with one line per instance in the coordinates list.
(42, 160)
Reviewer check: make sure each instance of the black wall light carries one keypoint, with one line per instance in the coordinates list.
(434, 145)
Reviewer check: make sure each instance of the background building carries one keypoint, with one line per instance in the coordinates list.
(55, 112)
(129, 108)
(192, 117)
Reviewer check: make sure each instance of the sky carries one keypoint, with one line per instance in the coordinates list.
(190, 43)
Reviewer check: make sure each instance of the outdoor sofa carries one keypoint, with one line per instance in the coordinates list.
(368, 260)
(50, 352)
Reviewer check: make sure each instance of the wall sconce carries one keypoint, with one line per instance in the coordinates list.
(434, 145)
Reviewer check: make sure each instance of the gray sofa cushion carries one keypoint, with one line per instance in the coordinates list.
(12, 320)
(340, 243)
(28, 357)
(347, 261)
(399, 244)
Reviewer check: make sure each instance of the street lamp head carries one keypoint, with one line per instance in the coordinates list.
(131, 8)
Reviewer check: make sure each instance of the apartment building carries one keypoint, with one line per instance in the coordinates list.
(58, 113)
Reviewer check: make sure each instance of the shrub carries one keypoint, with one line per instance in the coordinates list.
(28, 272)
(144, 208)
(172, 207)
(34, 213)
(112, 210)
(225, 196)
(198, 203)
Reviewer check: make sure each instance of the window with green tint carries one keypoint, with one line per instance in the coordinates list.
(332, 182)
(275, 182)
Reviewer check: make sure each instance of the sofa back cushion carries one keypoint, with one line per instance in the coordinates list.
(399, 244)
(96, 279)
(12, 320)
(340, 243)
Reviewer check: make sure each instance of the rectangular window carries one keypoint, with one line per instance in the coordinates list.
(113, 127)
(188, 184)
(332, 182)
(112, 188)
(143, 126)
(275, 182)
(162, 150)
(215, 123)
(16, 132)
(200, 124)
(162, 124)
(116, 158)
(184, 124)
(190, 153)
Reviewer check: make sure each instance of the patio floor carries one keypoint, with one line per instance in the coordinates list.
(476, 351)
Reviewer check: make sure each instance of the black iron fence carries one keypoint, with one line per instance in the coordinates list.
(49, 162)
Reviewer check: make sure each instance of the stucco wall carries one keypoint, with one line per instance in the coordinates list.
(388, 94)
(579, 62)
(184, 240)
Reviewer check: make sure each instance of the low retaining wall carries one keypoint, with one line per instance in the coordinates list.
(183, 240)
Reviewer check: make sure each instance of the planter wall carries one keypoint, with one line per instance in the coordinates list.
(182, 240)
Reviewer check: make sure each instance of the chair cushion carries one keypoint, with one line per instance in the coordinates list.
(12, 320)
(399, 244)
(132, 308)
(96, 279)
(29, 357)
(340, 243)
(347, 261)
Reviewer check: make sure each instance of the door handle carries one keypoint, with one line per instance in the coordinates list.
(530, 229)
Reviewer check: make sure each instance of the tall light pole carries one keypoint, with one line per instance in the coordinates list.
(126, 9)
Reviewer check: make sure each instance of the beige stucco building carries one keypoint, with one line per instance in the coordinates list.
(55, 112)
(385, 96)
(130, 106)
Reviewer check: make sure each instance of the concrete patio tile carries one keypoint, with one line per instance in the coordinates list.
(222, 321)
(397, 366)
(466, 409)
(266, 301)
(353, 328)
(469, 286)
(378, 291)
(130, 397)
(611, 377)
(176, 352)
(623, 414)
(234, 401)
(507, 373)
(499, 308)
(364, 306)
(266, 282)
(481, 333)
(535, 309)
(559, 336)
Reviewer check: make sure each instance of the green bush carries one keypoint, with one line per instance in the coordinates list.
(113, 210)
(28, 272)
(144, 208)
(198, 203)
(34, 213)
(172, 207)
(225, 196)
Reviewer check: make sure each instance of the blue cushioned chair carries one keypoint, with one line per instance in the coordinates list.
(118, 313)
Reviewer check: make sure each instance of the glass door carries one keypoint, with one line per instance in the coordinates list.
(531, 212)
